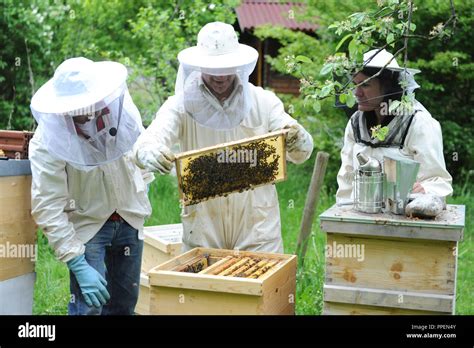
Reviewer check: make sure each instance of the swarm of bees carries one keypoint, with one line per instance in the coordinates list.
(206, 177)
(231, 266)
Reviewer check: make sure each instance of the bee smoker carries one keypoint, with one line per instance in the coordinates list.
(368, 190)
(400, 175)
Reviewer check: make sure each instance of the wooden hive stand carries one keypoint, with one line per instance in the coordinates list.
(390, 264)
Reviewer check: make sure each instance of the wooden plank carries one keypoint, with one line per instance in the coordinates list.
(166, 238)
(413, 232)
(279, 290)
(206, 282)
(211, 268)
(451, 218)
(242, 253)
(153, 257)
(19, 237)
(277, 267)
(407, 265)
(143, 303)
(311, 204)
(332, 308)
(455, 277)
(389, 298)
(15, 267)
(20, 231)
(230, 143)
(15, 198)
(177, 260)
(172, 301)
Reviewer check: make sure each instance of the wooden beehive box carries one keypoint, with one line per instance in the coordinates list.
(175, 291)
(17, 227)
(143, 303)
(231, 167)
(161, 243)
(390, 264)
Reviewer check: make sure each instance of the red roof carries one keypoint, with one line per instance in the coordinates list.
(251, 14)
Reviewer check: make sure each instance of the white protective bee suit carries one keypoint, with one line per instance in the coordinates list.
(245, 221)
(82, 175)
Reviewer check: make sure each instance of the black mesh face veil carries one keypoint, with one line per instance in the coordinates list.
(398, 130)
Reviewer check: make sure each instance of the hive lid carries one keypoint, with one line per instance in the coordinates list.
(164, 237)
(14, 167)
(448, 225)
(452, 217)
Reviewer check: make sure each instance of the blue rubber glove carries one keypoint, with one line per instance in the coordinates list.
(92, 284)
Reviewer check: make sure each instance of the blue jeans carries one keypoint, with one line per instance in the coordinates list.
(116, 253)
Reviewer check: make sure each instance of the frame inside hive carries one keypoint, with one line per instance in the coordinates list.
(241, 266)
(231, 167)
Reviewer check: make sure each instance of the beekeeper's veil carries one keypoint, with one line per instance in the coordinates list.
(86, 114)
(217, 53)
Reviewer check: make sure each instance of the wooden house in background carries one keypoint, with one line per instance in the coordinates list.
(251, 14)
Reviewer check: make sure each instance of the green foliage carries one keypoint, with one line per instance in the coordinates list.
(27, 36)
(379, 132)
(162, 30)
(446, 80)
(144, 35)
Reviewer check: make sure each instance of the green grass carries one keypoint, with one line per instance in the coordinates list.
(52, 294)
(52, 282)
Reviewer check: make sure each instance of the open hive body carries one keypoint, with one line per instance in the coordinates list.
(213, 281)
(408, 265)
(225, 168)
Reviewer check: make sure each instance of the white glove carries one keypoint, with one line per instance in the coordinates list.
(295, 137)
(156, 159)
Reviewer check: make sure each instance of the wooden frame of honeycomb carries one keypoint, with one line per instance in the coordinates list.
(203, 175)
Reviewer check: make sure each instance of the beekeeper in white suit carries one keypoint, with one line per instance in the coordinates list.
(88, 196)
(214, 103)
(413, 134)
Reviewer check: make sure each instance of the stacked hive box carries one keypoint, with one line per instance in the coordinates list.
(17, 238)
(14, 144)
(161, 244)
(212, 281)
(390, 264)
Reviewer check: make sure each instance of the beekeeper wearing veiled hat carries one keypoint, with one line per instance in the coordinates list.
(88, 195)
(215, 103)
(413, 134)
